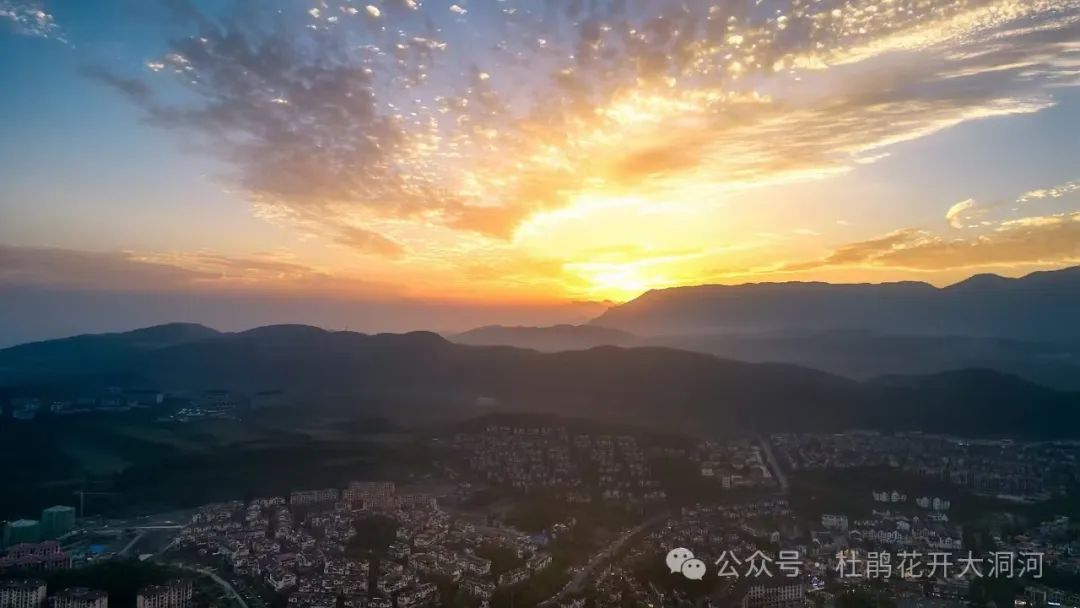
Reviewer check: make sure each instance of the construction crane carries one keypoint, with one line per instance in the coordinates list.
(82, 494)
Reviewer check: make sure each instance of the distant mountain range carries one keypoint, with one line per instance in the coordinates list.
(660, 387)
(1027, 327)
(1039, 306)
(857, 354)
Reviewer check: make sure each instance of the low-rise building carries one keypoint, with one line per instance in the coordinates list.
(478, 588)
(538, 562)
(515, 576)
(421, 595)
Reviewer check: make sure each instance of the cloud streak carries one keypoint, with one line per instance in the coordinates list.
(1036, 240)
(55, 267)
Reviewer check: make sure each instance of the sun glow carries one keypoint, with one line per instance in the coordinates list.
(615, 282)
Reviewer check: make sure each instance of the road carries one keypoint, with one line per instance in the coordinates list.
(778, 471)
(577, 583)
(230, 591)
(127, 548)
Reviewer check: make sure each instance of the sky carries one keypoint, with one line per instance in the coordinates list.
(391, 164)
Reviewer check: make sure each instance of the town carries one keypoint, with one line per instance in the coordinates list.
(474, 534)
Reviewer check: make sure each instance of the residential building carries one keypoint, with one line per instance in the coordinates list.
(775, 593)
(35, 556)
(311, 497)
(22, 531)
(28, 593)
(80, 597)
(373, 495)
(539, 562)
(175, 594)
(1041, 596)
(513, 577)
(478, 588)
(834, 522)
(57, 521)
(421, 595)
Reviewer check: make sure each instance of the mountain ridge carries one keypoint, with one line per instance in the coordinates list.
(655, 386)
(1036, 306)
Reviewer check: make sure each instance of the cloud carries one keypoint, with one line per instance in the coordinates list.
(29, 18)
(369, 242)
(132, 88)
(969, 214)
(960, 214)
(856, 253)
(1048, 193)
(51, 267)
(46, 266)
(347, 121)
(1026, 241)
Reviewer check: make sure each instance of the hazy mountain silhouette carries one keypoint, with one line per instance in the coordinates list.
(547, 339)
(864, 354)
(654, 386)
(1039, 306)
(91, 353)
(854, 353)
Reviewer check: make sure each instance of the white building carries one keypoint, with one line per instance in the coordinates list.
(80, 597)
(175, 594)
(311, 497)
(373, 495)
(775, 593)
(834, 522)
(22, 593)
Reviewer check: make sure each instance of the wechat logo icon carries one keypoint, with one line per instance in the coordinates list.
(682, 560)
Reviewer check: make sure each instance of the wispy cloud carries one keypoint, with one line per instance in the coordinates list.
(1050, 193)
(55, 267)
(994, 235)
(1030, 240)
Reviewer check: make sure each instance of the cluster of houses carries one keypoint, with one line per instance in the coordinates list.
(299, 547)
(888, 528)
(1034, 470)
(111, 400)
(737, 464)
(208, 403)
(28, 557)
(585, 467)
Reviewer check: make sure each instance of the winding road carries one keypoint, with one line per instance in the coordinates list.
(224, 584)
(577, 583)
